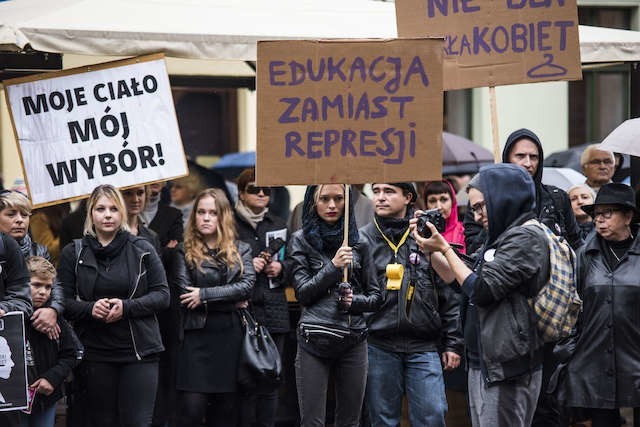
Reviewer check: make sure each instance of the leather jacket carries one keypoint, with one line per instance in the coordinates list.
(221, 286)
(430, 321)
(316, 281)
(148, 284)
(15, 292)
(604, 371)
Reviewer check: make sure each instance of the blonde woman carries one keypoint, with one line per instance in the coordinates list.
(332, 331)
(216, 276)
(114, 285)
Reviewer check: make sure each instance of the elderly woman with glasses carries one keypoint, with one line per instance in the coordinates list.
(604, 371)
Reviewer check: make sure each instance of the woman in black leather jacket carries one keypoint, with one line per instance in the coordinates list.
(216, 276)
(332, 330)
(114, 285)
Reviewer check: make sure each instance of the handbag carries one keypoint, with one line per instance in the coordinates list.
(260, 363)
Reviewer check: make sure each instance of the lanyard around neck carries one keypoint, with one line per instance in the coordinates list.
(395, 248)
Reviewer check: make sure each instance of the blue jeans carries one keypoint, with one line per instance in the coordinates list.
(46, 418)
(391, 375)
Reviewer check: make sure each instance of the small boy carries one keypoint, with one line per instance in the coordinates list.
(49, 361)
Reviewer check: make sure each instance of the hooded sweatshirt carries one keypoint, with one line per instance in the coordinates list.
(509, 194)
(553, 207)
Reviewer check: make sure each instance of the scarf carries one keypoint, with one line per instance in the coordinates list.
(151, 209)
(393, 228)
(253, 219)
(112, 249)
(25, 245)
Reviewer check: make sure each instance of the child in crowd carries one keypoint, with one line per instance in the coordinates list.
(49, 362)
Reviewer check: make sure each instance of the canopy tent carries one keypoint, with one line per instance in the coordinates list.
(224, 29)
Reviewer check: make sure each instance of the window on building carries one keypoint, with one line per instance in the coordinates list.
(599, 102)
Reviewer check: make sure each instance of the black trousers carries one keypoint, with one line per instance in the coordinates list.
(220, 409)
(121, 394)
(260, 405)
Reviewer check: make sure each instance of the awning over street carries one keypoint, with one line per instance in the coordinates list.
(224, 29)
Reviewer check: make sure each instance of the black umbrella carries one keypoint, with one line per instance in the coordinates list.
(462, 156)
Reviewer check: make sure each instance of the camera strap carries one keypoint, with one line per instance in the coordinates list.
(395, 271)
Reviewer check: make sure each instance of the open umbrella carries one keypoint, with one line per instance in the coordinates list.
(563, 178)
(461, 155)
(624, 139)
(232, 164)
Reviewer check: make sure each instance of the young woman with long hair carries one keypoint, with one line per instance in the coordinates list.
(216, 276)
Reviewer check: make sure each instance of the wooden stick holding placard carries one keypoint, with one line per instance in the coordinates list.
(345, 242)
(497, 157)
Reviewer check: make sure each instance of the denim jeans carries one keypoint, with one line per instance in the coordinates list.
(46, 418)
(391, 375)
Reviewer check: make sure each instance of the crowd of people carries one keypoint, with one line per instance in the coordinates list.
(139, 323)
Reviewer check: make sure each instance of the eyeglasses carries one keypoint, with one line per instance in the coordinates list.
(252, 189)
(605, 213)
(478, 207)
(596, 162)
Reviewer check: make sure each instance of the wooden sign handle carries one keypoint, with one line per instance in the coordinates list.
(345, 241)
(497, 156)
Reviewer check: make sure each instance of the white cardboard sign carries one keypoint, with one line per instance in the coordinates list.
(111, 123)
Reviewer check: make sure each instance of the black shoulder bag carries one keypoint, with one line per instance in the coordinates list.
(260, 363)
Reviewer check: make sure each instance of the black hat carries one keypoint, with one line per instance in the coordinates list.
(613, 194)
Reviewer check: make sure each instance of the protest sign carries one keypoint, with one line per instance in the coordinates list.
(13, 369)
(490, 43)
(349, 111)
(110, 123)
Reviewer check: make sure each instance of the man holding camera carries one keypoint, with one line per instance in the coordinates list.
(504, 352)
(416, 323)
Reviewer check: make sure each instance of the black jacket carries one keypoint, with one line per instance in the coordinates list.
(148, 284)
(237, 285)
(513, 268)
(57, 297)
(167, 223)
(316, 280)
(430, 321)
(54, 360)
(604, 371)
(268, 305)
(15, 293)
(553, 207)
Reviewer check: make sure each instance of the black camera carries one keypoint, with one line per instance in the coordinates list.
(434, 217)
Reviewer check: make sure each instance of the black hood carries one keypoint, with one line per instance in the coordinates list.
(510, 194)
(517, 136)
(323, 236)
